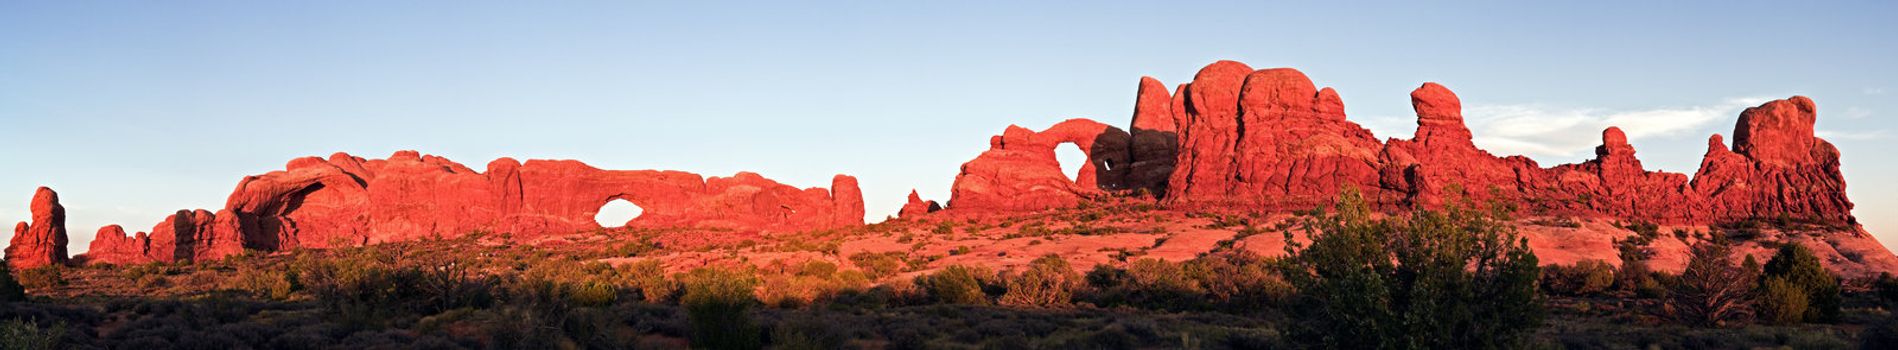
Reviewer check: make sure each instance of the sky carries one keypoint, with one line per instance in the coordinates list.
(133, 110)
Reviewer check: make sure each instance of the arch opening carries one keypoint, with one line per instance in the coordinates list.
(617, 213)
(1071, 158)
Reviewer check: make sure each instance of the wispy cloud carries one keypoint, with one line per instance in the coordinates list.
(1861, 135)
(1539, 130)
(1874, 91)
(1857, 113)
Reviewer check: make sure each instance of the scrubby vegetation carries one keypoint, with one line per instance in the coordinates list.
(10, 289)
(1713, 291)
(1451, 278)
(1804, 291)
(1459, 278)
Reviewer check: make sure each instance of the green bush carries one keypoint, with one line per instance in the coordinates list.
(1801, 269)
(1154, 283)
(1781, 302)
(1457, 278)
(718, 302)
(1635, 277)
(878, 265)
(1711, 291)
(1585, 277)
(1886, 288)
(42, 277)
(650, 278)
(1239, 279)
(10, 289)
(592, 293)
(20, 334)
(1048, 282)
(956, 285)
(262, 283)
(1880, 335)
(806, 335)
(812, 281)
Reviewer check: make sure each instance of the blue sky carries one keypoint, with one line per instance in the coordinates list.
(132, 110)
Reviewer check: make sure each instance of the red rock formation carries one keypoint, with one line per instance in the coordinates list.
(1155, 138)
(42, 242)
(346, 200)
(1776, 167)
(111, 246)
(1210, 128)
(1241, 138)
(1019, 171)
(917, 207)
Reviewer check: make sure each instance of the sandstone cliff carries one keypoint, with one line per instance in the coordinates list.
(346, 200)
(1270, 139)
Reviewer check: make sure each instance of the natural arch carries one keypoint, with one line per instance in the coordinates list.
(1072, 159)
(617, 212)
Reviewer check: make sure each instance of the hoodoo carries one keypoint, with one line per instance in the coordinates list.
(43, 241)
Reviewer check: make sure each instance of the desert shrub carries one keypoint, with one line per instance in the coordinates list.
(1801, 270)
(367, 287)
(878, 265)
(956, 285)
(153, 281)
(635, 247)
(718, 302)
(19, 334)
(1781, 302)
(1148, 283)
(10, 289)
(563, 282)
(262, 283)
(1048, 282)
(1107, 286)
(1880, 335)
(450, 284)
(592, 293)
(1712, 291)
(42, 277)
(1635, 277)
(811, 281)
(1582, 278)
(1239, 280)
(1456, 278)
(138, 272)
(806, 334)
(1886, 288)
(650, 278)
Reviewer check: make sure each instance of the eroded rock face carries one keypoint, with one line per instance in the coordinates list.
(111, 246)
(1776, 166)
(1236, 137)
(1020, 172)
(43, 241)
(346, 200)
(916, 206)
